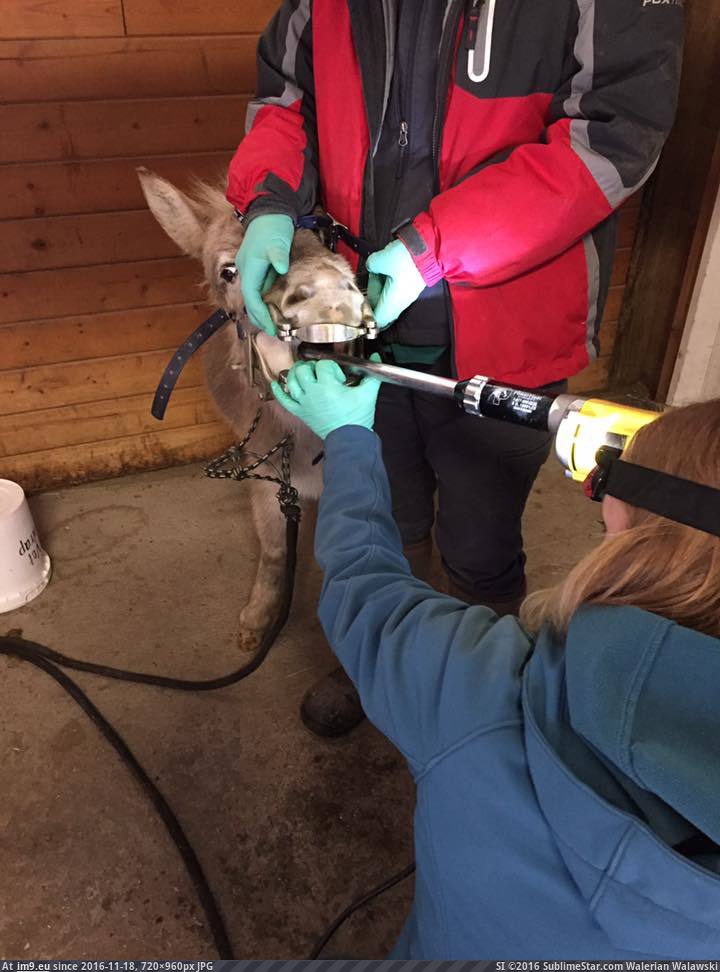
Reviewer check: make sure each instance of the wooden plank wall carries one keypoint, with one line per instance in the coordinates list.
(93, 296)
(674, 224)
(596, 376)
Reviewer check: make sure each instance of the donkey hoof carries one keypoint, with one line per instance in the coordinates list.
(249, 639)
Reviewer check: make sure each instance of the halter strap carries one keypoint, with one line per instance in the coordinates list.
(181, 357)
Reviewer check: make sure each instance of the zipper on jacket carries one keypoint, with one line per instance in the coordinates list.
(404, 106)
(472, 40)
(403, 142)
(472, 18)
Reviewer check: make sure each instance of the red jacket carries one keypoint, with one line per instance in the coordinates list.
(549, 113)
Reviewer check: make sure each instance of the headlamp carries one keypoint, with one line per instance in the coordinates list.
(681, 500)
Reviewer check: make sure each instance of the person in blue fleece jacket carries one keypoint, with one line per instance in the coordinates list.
(567, 767)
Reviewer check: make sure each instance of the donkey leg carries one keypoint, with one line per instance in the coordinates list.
(265, 596)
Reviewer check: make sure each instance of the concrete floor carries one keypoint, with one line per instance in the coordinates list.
(150, 572)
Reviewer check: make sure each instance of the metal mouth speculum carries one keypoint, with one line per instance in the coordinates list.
(326, 332)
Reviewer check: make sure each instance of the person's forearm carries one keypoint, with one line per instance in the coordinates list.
(274, 170)
(395, 636)
(355, 523)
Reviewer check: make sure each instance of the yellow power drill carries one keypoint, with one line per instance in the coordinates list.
(581, 426)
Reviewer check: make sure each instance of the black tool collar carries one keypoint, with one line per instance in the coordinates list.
(681, 500)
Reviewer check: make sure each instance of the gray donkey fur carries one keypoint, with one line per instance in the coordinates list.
(319, 286)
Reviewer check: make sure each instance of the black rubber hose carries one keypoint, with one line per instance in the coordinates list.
(48, 660)
(172, 824)
(26, 649)
(358, 903)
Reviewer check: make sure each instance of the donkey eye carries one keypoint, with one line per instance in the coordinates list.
(229, 272)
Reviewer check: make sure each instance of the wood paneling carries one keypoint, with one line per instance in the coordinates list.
(76, 382)
(113, 457)
(197, 16)
(103, 335)
(613, 304)
(608, 337)
(81, 241)
(103, 185)
(620, 267)
(690, 278)
(83, 290)
(61, 18)
(54, 428)
(126, 67)
(594, 378)
(671, 212)
(93, 296)
(104, 129)
(628, 218)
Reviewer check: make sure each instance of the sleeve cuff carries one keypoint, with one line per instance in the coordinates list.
(342, 442)
(417, 237)
(267, 205)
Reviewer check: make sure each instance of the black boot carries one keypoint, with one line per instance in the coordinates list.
(501, 608)
(420, 557)
(331, 707)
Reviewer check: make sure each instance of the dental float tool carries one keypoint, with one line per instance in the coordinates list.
(581, 426)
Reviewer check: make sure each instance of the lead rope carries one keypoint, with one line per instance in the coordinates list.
(226, 466)
(229, 466)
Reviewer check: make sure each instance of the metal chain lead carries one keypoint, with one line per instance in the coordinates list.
(229, 466)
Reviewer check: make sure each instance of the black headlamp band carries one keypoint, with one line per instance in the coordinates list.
(677, 499)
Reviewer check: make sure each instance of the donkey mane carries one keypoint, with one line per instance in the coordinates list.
(208, 198)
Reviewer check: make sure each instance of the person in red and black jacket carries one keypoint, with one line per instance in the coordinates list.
(481, 148)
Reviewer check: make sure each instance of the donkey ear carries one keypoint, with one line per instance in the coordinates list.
(174, 211)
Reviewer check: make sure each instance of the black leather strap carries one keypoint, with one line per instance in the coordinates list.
(677, 499)
(336, 232)
(181, 357)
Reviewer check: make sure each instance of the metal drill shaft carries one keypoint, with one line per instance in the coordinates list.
(479, 396)
(404, 377)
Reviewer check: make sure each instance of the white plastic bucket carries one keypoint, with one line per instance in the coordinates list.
(24, 565)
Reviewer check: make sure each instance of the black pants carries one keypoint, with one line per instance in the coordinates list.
(482, 470)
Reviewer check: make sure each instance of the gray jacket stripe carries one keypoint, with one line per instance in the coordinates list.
(584, 52)
(291, 92)
(390, 19)
(592, 262)
(602, 169)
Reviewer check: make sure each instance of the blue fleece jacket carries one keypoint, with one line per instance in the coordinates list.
(553, 778)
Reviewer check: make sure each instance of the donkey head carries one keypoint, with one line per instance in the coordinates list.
(319, 286)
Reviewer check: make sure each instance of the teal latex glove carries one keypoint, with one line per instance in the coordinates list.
(264, 252)
(317, 394)
(402, 283)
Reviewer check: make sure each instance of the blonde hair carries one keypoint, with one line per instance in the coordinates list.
(656, 564)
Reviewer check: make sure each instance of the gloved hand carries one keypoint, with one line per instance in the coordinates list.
(402, 285)
(264, 251)
(317, 394)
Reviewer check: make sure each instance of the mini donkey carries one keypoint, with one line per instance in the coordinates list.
(320, 286)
